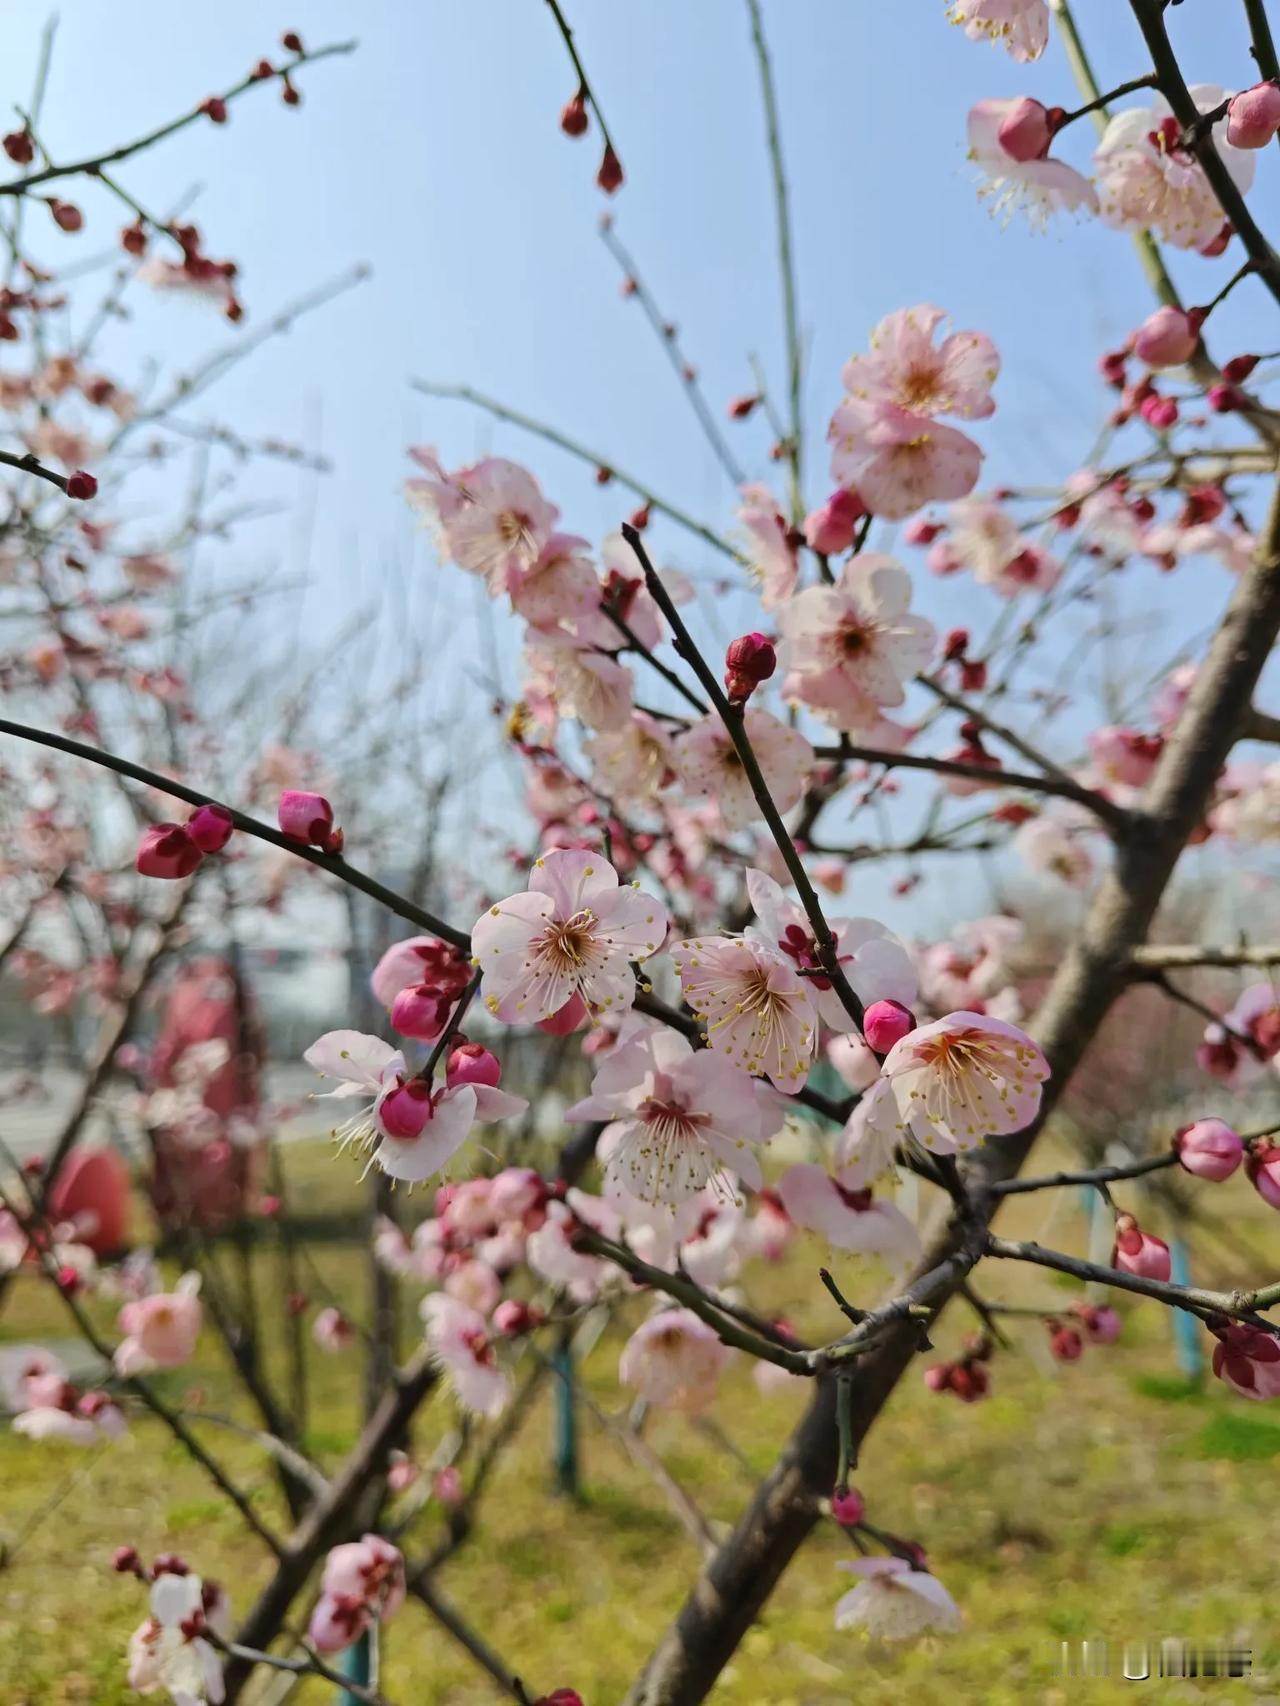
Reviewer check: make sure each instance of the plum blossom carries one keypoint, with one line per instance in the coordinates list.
(907, 370)
(502, 524)
(575, 931)
(758, 1011)
(893, 1601)
(459, 1342)
(581, 680)
(679, 1118)
(708, 764)
(1022, 25)
(412, 1127)
(631, 763)
(1052, 843)
(160, 1330)
(899, 461)
(973, 965)
(552, 1253)
(857, 635)
(1147, 180)
(983, 537)
(363, 1583)
(867, 1147)
(169, 1650)
(961, 1079)
(561, 586)
(771, 548)
(848, 1216)
(1247, 1359)
(889, 447)
(1225, 1052)
(1037, 186)
(875, 963)
(420, 959)
(674, 1360)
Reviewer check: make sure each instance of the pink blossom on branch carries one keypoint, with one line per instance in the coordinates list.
(1009, 142)
(674, 1360)
(757, 1010)
(893, 1601)
(1148, 180)
(575, 931)
(1021, 25)
(848, 1216)
(963, 1078)
(708, 764)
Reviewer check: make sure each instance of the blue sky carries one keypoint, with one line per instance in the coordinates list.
(433, 154)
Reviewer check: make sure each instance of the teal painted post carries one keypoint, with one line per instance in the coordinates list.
(354, 1665)
(565, 1455)
(1188, 1343)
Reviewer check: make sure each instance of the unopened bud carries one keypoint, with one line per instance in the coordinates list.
(573, 115)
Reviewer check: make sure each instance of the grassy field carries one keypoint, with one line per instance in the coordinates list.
(1105, 1499)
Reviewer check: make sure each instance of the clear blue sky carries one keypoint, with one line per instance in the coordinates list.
(433, 154)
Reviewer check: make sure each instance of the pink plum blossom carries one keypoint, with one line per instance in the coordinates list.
(1147, 180)
(893, 1601)
(875, 963)
(553, 1255)
(582, 681)
(1263, 1169)
(961, 1079)
(757, 1010)
(1030, 183)
(679, 1118)
(830, 528)
(770, 549)
(1247, 1359)
(907, 370)
(1021, 25)
(708, 765)
(899, 461)
(332, 1332)
(973, 965)
(363, 1583)
(160, 1330)
(460, 1344)
(502, 523)
(575, 931)
(630, 764)
(848, 1216)
(1052, 844)
(859, 628)
(560, 586)
(674, 1360)
(420, 959)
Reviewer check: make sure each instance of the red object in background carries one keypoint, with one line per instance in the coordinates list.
(92, 1192)
(209, 1182)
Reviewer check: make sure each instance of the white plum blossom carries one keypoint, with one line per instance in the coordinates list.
(674, 1359)
(1147, 180)
(961, 1079)
(460, 1344)
(679, 1118)
(1022, 25)
(893, 1602)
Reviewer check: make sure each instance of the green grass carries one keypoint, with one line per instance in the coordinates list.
(1102, 1499)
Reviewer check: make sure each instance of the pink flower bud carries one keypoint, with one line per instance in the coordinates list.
(560, 1697)
(1262, 1165)
(403, 1112)
(1253, 116)
(1026, 131)
(1101, 1326)
(829, 529)
(308, 818)
(420, 1011)
(1224, 399)
(848, 1508)
(82, 486)
(1209, 1149)
(938, 1377)
(447, 1485)
(749, 660)
(1160, 412)
(573, 115)
(885, 1023)
(471, 1063)
(166, 850)
(125, 1560)
(210, 827)
(918, 531)
(1137, 1252)
(1166, 338)
(512, 1319)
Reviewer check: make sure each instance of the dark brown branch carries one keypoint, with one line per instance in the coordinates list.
(1208, 1305)
(1088, 1176)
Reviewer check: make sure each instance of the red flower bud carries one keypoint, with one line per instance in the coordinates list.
(471, 1063)
(741, 407)
(291, 41)
(215, 108)
(573, 115)
(308, 818)
(133, 239)
(848, 1508)
(19, 147)
(640, 518)
(1239, 368)
(167, 850)
(885, 1023)
(609, 177)
(66, 215)
(81, 485)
